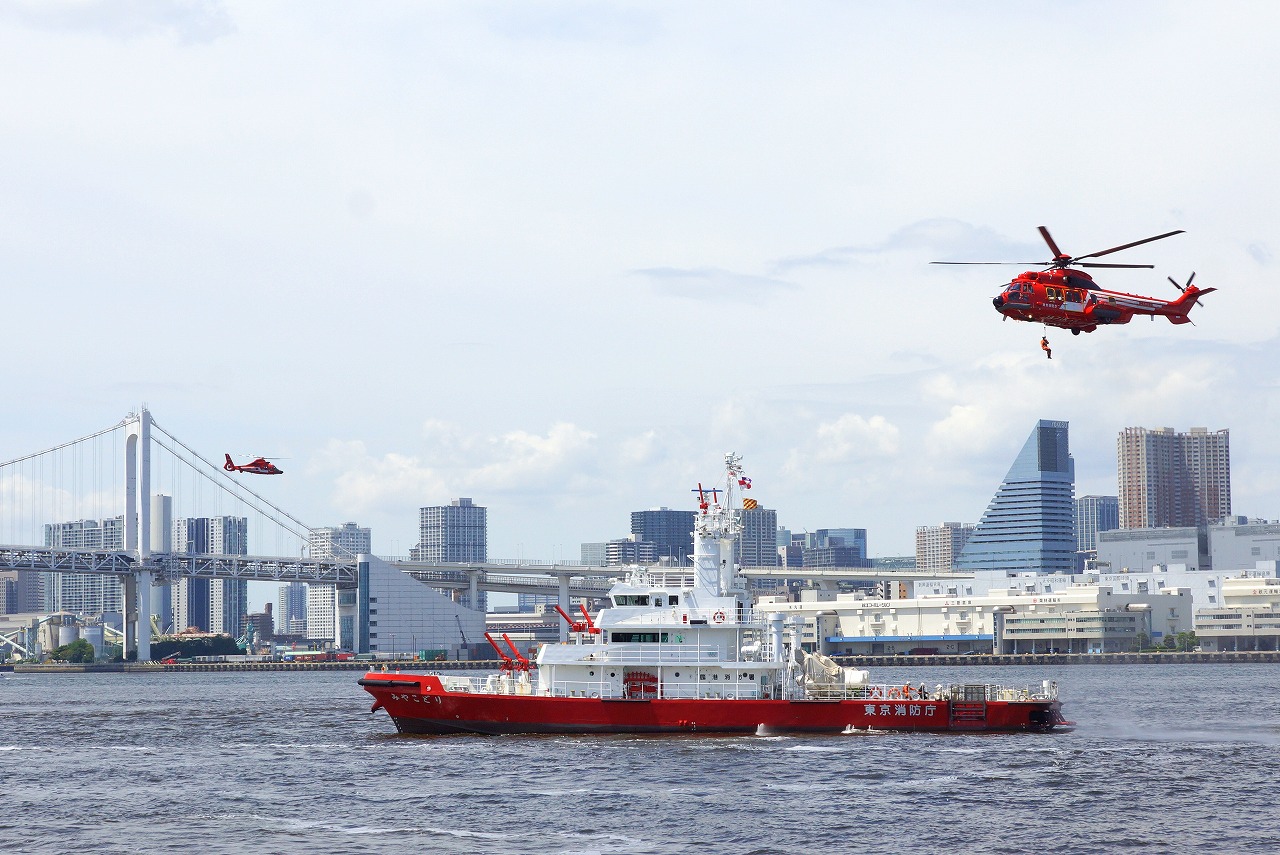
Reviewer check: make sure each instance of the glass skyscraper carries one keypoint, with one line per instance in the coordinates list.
(1029, 525)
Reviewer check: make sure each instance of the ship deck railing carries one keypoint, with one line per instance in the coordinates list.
(922, 692)
(728, 690)
(643, 653)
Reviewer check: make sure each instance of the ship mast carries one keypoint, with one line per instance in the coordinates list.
(716, 529)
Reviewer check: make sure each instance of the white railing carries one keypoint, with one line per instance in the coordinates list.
(727, 690)
(660, 654)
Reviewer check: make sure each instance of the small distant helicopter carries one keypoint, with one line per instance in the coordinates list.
(1070, 299)
(261, 466)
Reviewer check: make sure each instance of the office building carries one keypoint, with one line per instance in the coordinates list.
(937, 546)
(391, 612)
(1171, 479)
(339, 542)
(670, 531)
(758, 543)
(1029, 526)
(628, 550)
(595, 554)
(1095, 514)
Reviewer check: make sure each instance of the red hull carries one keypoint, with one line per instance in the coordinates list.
(419, 704)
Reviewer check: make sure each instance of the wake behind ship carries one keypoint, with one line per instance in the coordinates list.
(682, 651)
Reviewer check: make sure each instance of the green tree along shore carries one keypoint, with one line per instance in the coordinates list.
(218, 645)
(81, 651)
(77, 651)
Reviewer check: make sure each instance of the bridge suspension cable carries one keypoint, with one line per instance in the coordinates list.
(95, 435)
(221, 480)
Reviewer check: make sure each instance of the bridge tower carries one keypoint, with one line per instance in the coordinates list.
(137, 532)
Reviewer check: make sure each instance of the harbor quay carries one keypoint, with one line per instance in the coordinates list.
(974, 659)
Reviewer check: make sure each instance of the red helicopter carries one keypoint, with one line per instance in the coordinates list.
(261, 466)
(1070, 299)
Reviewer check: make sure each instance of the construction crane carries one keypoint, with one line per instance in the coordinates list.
(460, 630)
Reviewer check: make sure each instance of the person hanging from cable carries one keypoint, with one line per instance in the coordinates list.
(1044, 345)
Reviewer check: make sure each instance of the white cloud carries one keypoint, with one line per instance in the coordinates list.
(188, 21)
(453, 243)
(713, 284)
(455, 463)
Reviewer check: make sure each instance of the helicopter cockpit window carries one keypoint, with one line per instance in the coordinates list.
(1075, 297)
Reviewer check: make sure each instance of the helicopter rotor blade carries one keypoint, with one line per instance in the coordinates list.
(1019, 263)
(1128, 245)
(1191, 278)
(1176, 285)
(1099, 264)
(1053, 247)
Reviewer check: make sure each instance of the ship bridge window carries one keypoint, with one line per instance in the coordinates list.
(639, 637)
(631, 600)
(657, 601)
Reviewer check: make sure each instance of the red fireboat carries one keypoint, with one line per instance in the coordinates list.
(680, 650)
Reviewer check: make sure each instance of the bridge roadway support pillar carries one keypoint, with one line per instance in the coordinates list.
(130, 582)
(144, 615)
(563, 599)
(474, 589)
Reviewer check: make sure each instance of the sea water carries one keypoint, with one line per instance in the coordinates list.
(1164, 758)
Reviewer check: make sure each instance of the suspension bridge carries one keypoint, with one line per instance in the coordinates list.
(88, 504)
(106, 504)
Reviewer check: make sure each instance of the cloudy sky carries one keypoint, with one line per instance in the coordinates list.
(561, 256)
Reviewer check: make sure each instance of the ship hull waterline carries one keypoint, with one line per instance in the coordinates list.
(418, 704)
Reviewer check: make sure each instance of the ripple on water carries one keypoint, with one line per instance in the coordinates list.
(294, 762)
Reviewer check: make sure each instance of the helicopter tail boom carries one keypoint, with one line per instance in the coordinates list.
(1180, 309)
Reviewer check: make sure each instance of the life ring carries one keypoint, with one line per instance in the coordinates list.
(875, 691)
(718, 617)
(894, 694)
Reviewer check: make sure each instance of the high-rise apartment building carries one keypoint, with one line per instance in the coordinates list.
(1171, 479)
(211, 605)
(319, 603)
(670, 531)
(345, 541)
(291, 609)
(1028, 527)
(83, 593)
(456, 532)
(322, 612)
(938, 546)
